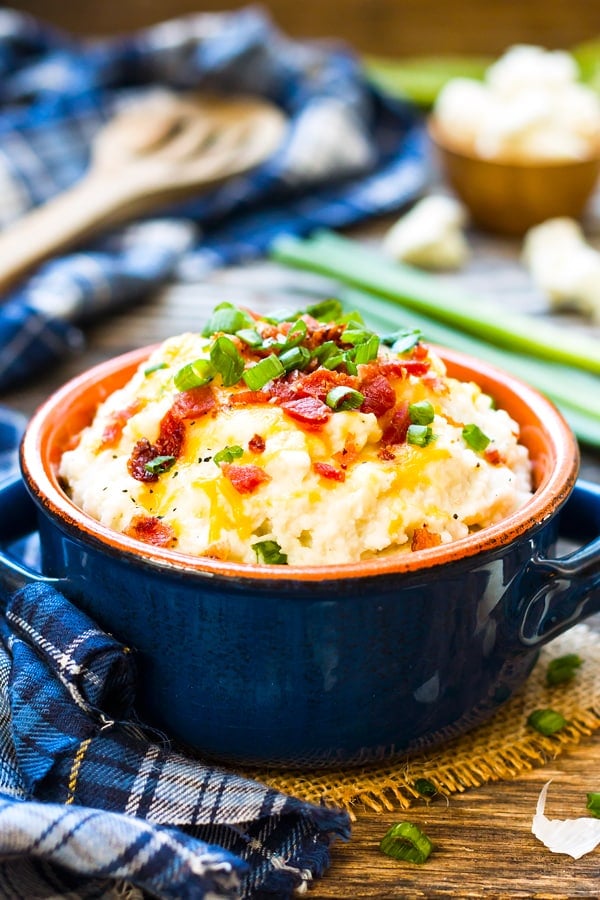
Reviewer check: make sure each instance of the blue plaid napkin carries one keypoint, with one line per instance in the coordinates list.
(93, 804)
(349, 153)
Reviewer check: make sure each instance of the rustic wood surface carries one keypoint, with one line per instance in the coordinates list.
(386, 27)
(483, 843)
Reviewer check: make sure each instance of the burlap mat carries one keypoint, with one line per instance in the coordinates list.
(500, 749)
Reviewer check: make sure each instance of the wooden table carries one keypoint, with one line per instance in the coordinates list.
(484, 847)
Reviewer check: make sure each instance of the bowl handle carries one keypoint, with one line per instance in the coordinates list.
(555, 594)
(19, 520)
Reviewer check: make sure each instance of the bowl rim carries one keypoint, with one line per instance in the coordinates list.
(549, 496)
(439, 138)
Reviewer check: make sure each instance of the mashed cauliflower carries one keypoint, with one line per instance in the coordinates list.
(306, 441)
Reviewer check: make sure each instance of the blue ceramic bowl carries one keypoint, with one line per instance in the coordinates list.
(331, 665)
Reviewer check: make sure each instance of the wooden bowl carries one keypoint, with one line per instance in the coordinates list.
(510, 197)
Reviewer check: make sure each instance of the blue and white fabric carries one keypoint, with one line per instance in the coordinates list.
(349, 153)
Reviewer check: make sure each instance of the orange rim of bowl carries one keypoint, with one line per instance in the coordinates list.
(553, 449)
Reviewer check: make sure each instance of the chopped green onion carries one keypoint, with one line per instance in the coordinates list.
(366, 351)
(269, 553)
(159, 464)
(227, 360)
(194, 374)
(475, 438)
(425, 787)
(262, 372)
(249, 336)
(546, 721)
(562, 669)
(295, 335)
(326, 311)
(227, 318)
(593, 803)
(406, 841)
(419, 435)
(402, 340)
(342, 398)
(421, 413)
(355, 335)
(325, 350)
(228, 454)
(155, 368)
(281, 315)
(295, 358)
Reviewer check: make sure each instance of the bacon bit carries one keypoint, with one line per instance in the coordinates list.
(170, 436)
(318, 334)
(281, 390)
(422, 539)
(257, 444)
(493, 456)
(117, 422)
(403, 367)
(193, 403)
(190, 404)
(142, 453)
(327, 471)
(151, 530)
(379, 396)
(309, 411)
(318, 384)
(386, 454)
(420, 351)
(246, 398)
(397, 429)
(245, 479)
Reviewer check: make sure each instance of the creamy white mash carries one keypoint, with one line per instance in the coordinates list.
(347, 450)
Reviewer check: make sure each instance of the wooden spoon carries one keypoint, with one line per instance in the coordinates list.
(159, 151)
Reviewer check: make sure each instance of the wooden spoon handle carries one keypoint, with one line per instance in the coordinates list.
(58, 224)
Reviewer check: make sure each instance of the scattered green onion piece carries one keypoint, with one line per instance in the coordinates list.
(155, 368)
(227, 318)
(228, 454)
(227, 360)
(419, 435)
(356, 335)
(593, 803)
(281, 315)
(421, 413)
(159, 464)
(194, 374)
(325, 350)
(402, 340)
(326, 311)
(269, 553)
(295, 335)
(334, 360)
(262, 372)
(563, 668)
(249, 336)
(406, 841)
(475, 438)
(342, 398)
(546, 721)
(295, 358)
(424, 787)
(367, 351)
